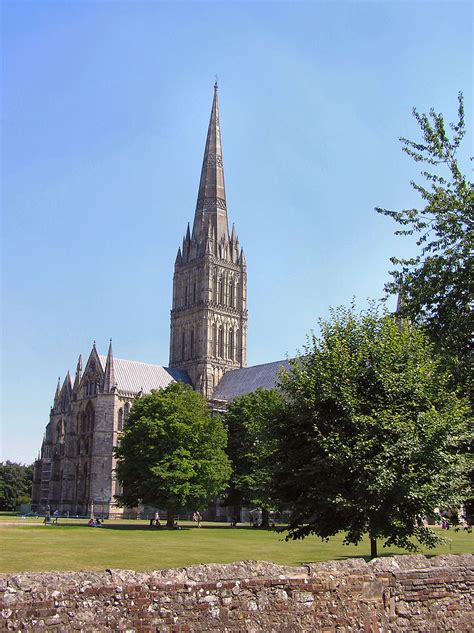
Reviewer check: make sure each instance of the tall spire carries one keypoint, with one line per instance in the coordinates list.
(78, 376)
(57, 392)
(211, 203)
(109, 376)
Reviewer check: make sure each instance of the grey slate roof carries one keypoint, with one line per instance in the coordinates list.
(241, 381)
(133, 376)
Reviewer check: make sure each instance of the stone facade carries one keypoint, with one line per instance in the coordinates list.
(75, 469)
(209, 313)
(401, 594)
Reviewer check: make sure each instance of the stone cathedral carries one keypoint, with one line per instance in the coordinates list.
(208, 340)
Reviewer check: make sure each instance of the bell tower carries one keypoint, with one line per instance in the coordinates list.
(209, 310)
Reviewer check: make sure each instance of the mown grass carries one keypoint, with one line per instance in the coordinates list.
(133, 545)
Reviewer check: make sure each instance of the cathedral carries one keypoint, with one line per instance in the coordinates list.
(75, 471)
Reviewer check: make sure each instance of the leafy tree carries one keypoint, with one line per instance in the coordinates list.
(172, 451)
(249, 420)
(436, 286)
(372, 438)
(16, 481)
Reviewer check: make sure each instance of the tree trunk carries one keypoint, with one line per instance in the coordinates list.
(171, 513)
(373, 547)
(265, 518)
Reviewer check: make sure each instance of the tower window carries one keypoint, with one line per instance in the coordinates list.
(183, 344)
(214, 340)
(231, 294)
(194, 292)
(231, 344)
(192, 343)
(120, 420)
(221, 291)
(221, 342)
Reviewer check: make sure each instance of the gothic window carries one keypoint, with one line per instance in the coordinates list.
(90, 417)
(214, 340)
(120, 420)
(194, 291)
(221, 342)
(231, 344)
(83, 422)
(78, 424)
(78, 447)
(126, 411)
(183, 344)
(214, 288)
(192, 342)
(231, 294)
(186, 294)
(221, 291)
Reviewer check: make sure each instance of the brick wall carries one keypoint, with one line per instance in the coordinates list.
(404, 593)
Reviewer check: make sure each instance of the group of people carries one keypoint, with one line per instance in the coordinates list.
(94, 522)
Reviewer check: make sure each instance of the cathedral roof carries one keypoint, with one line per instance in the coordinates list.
(241, 381)
(132, 376)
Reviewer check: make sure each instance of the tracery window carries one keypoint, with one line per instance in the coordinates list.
(120, 420)
(192, 342)
(231, 344)
(126, 411)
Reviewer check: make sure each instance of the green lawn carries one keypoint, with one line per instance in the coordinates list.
(32, 546)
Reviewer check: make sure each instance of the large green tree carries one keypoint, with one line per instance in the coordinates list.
(249, 420)
(172, 451)
(372, 439)
(15, 484)
(436, 285)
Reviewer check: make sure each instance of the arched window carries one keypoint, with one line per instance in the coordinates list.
(186, 294)
(214, 340)
(194, 291)
(90, 417)
(120, 420)
(126, 411)
(183, 344)
(192, 342)
(221, 342)
(231, 294)
(214, 288)
(221, 291)
(231, 344)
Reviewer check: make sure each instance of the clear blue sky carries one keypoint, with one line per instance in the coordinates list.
(105, 110)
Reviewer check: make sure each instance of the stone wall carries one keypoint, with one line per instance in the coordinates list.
(405, 593)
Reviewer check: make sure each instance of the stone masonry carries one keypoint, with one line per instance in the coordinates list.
(399, 594)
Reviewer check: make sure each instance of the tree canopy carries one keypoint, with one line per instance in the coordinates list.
(372, 437)
(436, 285)
(16, 481)
(249, 420)
(172, 451)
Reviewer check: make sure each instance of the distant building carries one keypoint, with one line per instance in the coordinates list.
(208, 348)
